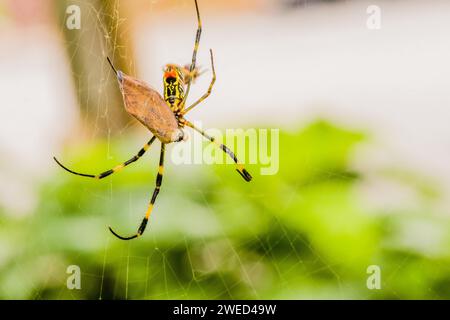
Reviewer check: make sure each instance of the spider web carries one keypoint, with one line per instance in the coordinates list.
(157, 261)
(194, 246)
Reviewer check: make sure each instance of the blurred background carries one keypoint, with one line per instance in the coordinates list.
(364, 147)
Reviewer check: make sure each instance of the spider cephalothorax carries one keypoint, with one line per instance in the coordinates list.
(164, 117)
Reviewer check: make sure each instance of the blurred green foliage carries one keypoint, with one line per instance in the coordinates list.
(306, 232)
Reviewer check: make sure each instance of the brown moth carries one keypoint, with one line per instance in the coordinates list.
(149, 108)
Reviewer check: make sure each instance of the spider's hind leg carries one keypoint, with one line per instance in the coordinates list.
(206, 95)
(196, 45)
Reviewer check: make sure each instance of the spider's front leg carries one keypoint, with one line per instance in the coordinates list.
(239, 166)
(113, 170)
(144, 222)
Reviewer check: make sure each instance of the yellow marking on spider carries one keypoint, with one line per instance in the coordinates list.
(149, 210)
(161, 170)
(240, 167)
(119, 167)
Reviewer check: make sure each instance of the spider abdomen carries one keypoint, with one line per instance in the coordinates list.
(148, 106)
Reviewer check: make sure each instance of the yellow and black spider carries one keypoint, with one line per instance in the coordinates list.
(164, 117)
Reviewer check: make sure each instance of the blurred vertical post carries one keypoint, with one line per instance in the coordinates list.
(102, 32)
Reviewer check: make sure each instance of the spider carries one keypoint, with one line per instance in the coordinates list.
(163, 116)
